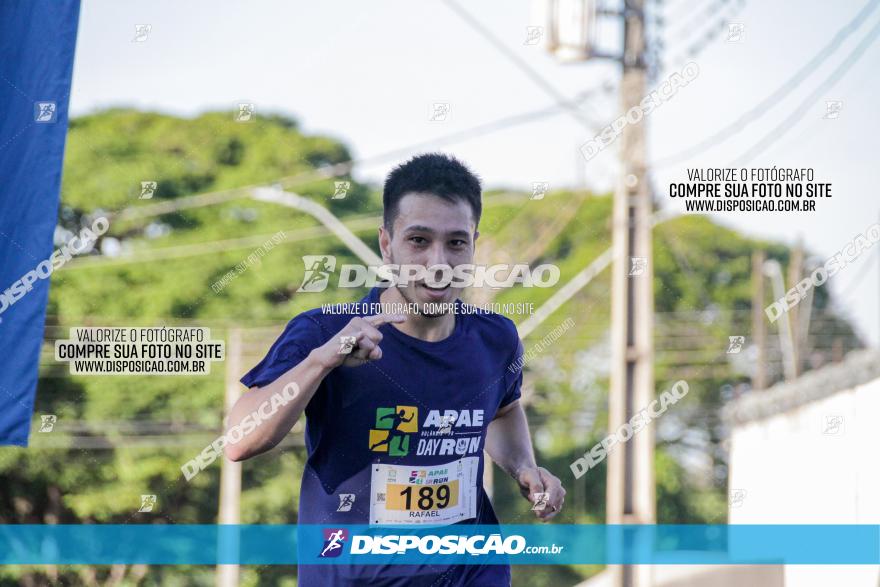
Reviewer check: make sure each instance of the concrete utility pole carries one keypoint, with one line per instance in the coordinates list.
(759, 328)
(795, 271)
(630, 487)
(230, 473)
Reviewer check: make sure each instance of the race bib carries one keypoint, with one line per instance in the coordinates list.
(440, 494)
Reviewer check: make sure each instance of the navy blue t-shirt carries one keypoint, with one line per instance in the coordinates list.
(377, 434)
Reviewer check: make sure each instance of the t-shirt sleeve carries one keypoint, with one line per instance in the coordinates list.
(513, 376)
(301, 335)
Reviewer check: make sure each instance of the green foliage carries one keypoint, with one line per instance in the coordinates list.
(108, 154)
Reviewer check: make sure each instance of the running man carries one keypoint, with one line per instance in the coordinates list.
(439, 369)
(395, 431)
(320, 269)
(334, 543)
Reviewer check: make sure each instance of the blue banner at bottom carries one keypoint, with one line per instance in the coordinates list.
(545, 544)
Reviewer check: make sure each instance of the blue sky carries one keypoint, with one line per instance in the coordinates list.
(368, 73)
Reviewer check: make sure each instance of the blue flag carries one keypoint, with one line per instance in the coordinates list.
(37, 42)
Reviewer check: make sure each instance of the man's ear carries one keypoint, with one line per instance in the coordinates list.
(476, 235)
(385, 244)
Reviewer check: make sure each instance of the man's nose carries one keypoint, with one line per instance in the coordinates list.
(436, 256)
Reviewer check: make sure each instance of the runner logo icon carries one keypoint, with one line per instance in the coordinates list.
(393, 429)
(334, 539)
(346, 500)
(317, 272)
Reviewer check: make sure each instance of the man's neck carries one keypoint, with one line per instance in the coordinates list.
(418, 326)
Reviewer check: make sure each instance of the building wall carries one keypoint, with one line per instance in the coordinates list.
(818, 463)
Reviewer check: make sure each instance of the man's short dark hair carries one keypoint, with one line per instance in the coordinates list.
(431, 173)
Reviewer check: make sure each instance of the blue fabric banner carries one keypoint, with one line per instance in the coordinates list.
(37, 42)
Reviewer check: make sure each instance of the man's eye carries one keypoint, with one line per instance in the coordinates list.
(417, 240)
(459, 243)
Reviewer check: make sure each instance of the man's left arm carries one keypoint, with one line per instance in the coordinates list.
(509, 444)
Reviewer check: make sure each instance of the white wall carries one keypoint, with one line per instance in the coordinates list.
(799, 468)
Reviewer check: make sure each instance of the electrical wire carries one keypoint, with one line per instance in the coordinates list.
(778, 95)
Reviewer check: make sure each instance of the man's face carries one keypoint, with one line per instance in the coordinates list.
(429, 231)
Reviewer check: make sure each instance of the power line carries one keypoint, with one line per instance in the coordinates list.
(490, 127)
(357, 224)
(698, 20)
(344, 167)
(781, 92)
(538, 80)
(709, 34)
(780, 130)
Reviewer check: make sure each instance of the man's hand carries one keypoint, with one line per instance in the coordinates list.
(357, 343)
(535, 480)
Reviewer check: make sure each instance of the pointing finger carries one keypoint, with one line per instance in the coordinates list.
(380, 319)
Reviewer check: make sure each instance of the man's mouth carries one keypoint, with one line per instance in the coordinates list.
(435, 291)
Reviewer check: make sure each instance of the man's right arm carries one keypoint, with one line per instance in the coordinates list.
(304, 379)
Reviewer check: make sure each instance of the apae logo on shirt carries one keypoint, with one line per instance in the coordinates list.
(444, 432)
(393, 429)
(451, 432)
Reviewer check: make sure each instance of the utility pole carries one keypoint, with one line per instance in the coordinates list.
(630, 487)
(630, 497)
(773, 270)
(230, 472)
(795, 271)
(759, 328)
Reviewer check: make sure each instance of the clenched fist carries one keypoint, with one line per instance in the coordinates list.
(357, 343)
